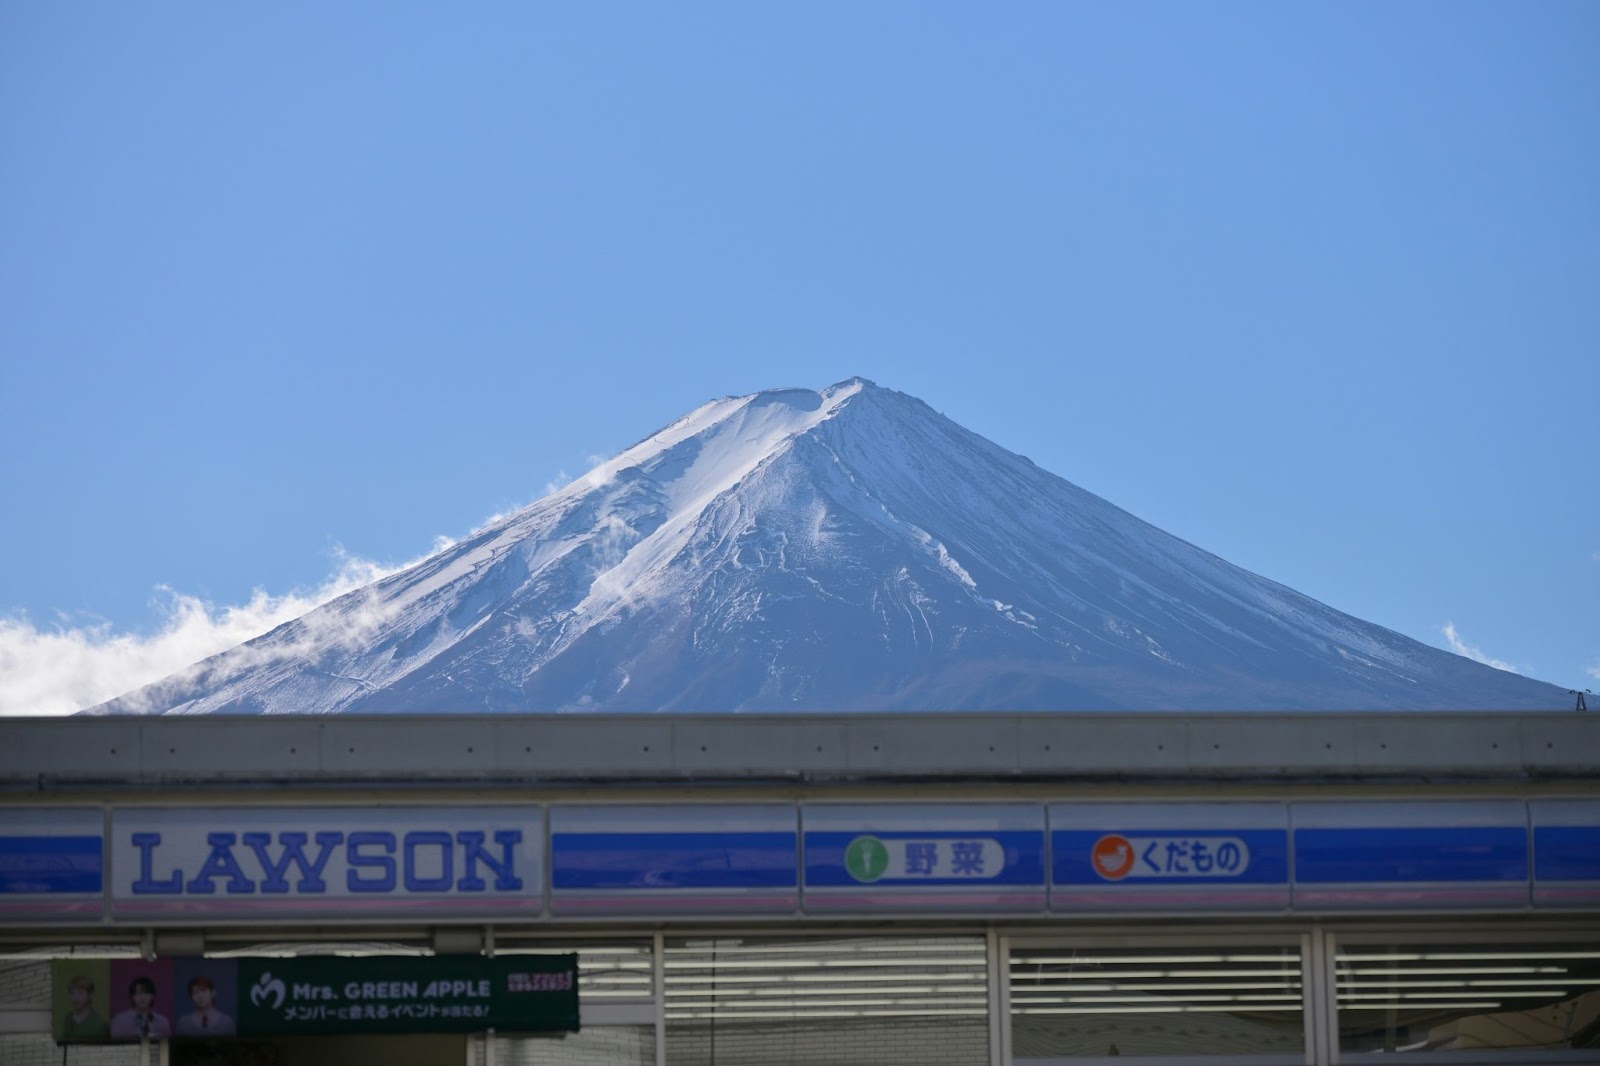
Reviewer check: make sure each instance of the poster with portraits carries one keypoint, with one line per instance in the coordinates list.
(98, 1001)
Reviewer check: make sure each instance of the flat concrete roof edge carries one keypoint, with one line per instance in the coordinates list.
(548, 750)
(45, 787)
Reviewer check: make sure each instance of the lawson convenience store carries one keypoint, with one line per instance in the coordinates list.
(883, 889)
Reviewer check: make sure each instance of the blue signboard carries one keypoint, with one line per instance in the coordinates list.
(1150, 856)
(1444, 855)
(1566, 853)
(670, 860)
(52, 863)
(674, 859)
(924, 857)
(247, 862)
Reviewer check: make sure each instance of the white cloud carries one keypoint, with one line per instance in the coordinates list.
(1461, 647)
(62, 669)
(555, 484)
(57, 670)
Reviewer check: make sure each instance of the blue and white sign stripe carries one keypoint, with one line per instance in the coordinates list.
(1566, 853)
(52, 862)
(1439, 855)
(824, 859)
(674, 859)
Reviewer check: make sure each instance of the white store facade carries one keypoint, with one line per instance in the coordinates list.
(976, 889)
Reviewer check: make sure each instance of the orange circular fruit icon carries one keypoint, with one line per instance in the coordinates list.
(1112, 857)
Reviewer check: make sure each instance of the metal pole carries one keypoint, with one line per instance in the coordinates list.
(658, 954)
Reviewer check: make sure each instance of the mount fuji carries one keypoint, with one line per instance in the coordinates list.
(848, 549)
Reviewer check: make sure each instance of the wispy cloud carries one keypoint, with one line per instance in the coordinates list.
(62, 668)
(53, 670)
(1461, 647)
(561, 480)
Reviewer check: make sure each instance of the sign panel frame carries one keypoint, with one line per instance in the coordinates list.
(629, 859)
(970, 858)
(1176, 857)
(1566, 852)
(52, 863)
(1441, 855)
(274, 862)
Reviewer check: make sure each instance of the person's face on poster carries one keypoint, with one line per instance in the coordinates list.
(81, 998)
(201, 995)
(143, 998)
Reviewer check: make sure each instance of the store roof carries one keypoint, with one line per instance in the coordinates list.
(40, 753)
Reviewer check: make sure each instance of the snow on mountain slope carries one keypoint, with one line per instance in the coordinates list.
(843, 549)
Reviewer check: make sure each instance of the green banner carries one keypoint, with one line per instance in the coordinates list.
(99, 1001)
(397, 994)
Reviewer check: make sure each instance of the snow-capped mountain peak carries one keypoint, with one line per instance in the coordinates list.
(847, 548)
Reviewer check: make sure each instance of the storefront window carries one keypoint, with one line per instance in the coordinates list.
(611, 974)
(1095, 1002)
(1441, 998)
(25, 985)
(608, 1045)
(856, 1001)
(30, 1049)
(608, 971)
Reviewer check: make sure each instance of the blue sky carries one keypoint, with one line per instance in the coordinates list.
(287, 290)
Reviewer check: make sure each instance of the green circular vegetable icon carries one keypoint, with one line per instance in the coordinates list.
(866, 858)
